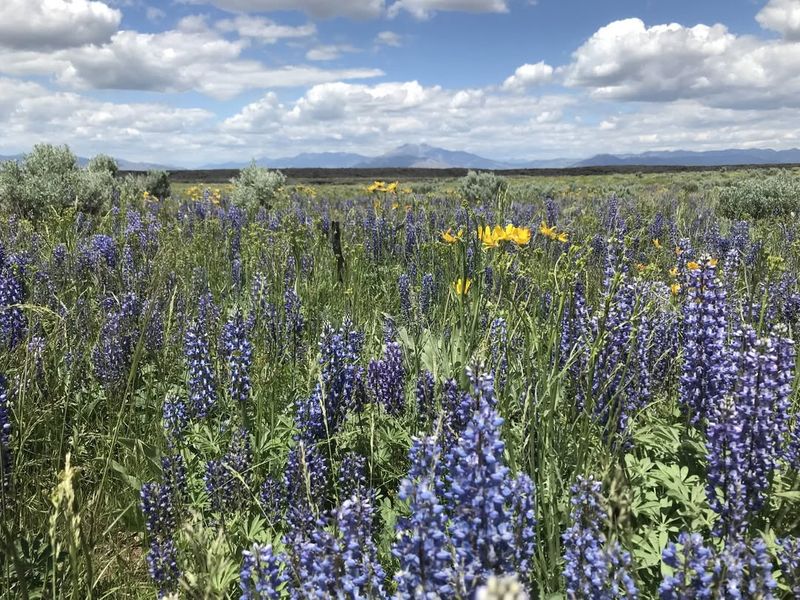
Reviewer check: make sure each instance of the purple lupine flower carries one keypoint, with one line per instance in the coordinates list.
(693, 564)
(237, 273)
(404, 288)
(457, 408)
(352, 476)
(340, 390)
(789, 562)
(523, 525)
(112, 354)
(104, 250)
(488, 279)
(362, 575)
(201, 382)
(387, 379)
(262, 576)
(5, 442)
(175, 419)
(411, 242)
(238, 353)
(426, 295)
(592, 567)
(154, 332)
(161, 523)
(272, 496)
(422, 544)
(479, 498)
(424, 396)
(227, 480)
(13, 322)
(306, 482)
(575, 339)
(746, 431)
(173, 473)
(706, 374)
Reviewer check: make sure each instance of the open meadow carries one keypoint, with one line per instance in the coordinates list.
(545, 387)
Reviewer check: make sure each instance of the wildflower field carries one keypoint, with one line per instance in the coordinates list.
(379, 392)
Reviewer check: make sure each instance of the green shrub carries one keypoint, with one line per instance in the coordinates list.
(482, 187)
(48, 179)
(156, 183)
(761, 197)
(102, 163)
(256, 187)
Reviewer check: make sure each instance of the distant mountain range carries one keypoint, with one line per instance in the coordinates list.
(709, 158)
(407, 156)
(124, 165)
(431, 157)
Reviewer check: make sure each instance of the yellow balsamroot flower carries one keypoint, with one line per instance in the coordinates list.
(675, 288)
(713, 262)
(448, 236)
(377, 186)
(395, 205)
(552, 233)
(549, 232)
(461, 287)
(673, 272)
(391, 188)
(693, 266)
(489, 237)
(657, 243)
(518, 235)
(678, 250)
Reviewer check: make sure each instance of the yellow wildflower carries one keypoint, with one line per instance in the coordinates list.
(448, 236)
(546, 231)
(675, 288)
(562, 237)
(461, 287)
(713, 262)
(657, 243)
(673, 272)
(692, 266)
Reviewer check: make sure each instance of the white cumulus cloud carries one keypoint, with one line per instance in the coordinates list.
(264, 30)
(189, 58)
(782, 16)
(54, 24)
(424, 9)
(324, 9)
(626, 60)
(529, 75)
(389, 38)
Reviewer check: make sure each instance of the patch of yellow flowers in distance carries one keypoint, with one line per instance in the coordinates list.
(491, 237)
(382, 186)
(552, 233)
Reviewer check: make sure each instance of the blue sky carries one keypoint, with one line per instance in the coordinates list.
(193, 82)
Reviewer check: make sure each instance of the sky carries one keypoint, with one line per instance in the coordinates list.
(195, 82)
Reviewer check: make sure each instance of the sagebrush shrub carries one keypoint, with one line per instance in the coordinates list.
(256, 187)
(482, 187)
(760, 198)
(49, 179)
